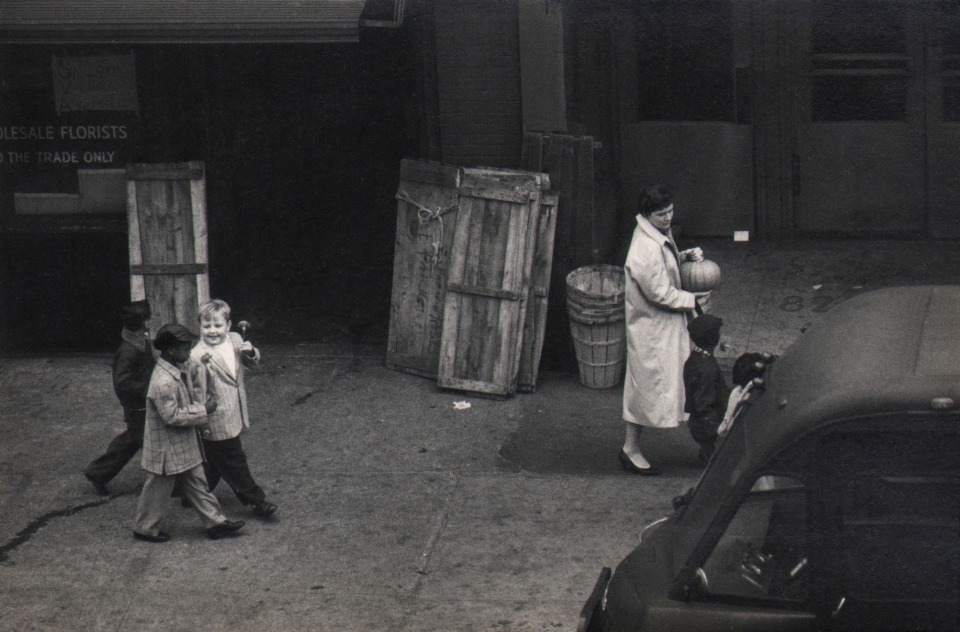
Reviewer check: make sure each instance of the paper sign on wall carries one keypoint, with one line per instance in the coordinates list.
(95, 83)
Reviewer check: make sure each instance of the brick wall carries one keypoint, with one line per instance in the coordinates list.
(478, 75)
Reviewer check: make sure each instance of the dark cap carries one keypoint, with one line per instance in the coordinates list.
(136, 308)
(170, 334)
(705, 330)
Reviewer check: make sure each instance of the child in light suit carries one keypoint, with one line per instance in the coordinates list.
(171, 447)
(224, 354)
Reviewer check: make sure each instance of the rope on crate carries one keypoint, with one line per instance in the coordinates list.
(425, 215)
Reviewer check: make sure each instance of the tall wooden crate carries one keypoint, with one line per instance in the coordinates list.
(488, 281)
(426, 217)
(167, 239)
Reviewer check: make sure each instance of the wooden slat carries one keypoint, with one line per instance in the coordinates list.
(163, 172)
(481, 387)
(513, 177)
(198, 202)
(501, 262)
(421, 260)
(169, 268)
(536, 321)
(137, 290)
(493, 192)
(507, 295)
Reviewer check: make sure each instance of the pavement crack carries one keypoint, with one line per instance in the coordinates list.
(303, 398)
(441, 522)
(39, 522)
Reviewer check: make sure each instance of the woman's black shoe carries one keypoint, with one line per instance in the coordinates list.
(630, 466)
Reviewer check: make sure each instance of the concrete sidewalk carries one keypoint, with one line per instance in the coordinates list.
(398, 511)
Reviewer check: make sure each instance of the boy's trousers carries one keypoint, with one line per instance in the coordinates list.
(226, 460)
(122, 448)
(155, 500)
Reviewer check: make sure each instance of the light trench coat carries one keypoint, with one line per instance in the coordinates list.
(656, 321)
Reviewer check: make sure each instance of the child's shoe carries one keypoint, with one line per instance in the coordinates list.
(264, 509)
(224, 529)
(99, 487)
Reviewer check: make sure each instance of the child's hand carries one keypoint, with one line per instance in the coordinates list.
(247, 347)
(211, 406)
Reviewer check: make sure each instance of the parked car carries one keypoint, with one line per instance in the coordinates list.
(834, 500)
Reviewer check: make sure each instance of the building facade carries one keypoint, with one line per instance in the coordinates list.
(782, 119)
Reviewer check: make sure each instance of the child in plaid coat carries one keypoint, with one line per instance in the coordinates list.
(172, 451)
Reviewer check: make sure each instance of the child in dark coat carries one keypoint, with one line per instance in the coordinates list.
(132, 366)
(706, 389)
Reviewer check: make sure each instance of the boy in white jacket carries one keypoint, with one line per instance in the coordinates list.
(224, 354)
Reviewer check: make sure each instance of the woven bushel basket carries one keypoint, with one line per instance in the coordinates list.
(596, 311)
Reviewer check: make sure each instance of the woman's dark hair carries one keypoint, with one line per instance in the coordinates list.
(653, 198)
(745, 369)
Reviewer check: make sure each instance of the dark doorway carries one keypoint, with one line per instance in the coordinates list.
(303, 146)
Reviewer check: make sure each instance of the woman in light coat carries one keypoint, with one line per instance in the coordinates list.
(657, 310)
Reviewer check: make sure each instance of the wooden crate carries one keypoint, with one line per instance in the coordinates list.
(488, 282)
(426, 217)
(536, 312)
(167, 236)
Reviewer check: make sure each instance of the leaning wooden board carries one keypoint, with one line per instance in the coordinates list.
(536, 322)
(426, 217)
(488, 281)
(167, 239)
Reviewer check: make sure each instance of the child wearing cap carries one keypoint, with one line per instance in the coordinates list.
(705, 387)
(224, 354)
(132, 366)
(172, 452)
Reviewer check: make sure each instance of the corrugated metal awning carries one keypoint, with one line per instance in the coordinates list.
(179, 21)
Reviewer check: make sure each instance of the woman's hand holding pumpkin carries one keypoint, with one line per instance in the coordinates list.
(691, 254)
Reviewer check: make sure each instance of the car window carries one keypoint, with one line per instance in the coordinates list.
(891, 503)
(901, 537)
(763, 550)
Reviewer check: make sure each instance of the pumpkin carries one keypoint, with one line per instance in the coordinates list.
(699, 276)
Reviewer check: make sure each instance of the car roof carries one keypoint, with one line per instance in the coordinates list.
(884, 351)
